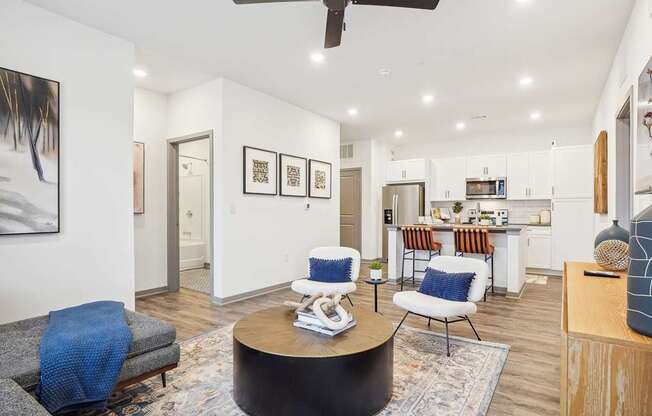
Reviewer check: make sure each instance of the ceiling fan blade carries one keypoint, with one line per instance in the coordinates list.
(412, 4)
(334, 28)
(265, 1)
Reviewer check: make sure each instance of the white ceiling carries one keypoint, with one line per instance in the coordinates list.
(469, 54)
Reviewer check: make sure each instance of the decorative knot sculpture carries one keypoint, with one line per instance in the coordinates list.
(323, 307)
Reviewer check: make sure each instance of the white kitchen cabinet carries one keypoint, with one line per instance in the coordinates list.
(539, 247)
(572, 231)
(529, 176)
(572, 172)
(413, 170)
(486, 166)
(448, 181)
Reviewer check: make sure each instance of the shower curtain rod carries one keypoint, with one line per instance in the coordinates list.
(196, 158)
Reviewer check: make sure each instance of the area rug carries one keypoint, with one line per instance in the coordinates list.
(426, 381)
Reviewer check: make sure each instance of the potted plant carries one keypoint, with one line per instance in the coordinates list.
(376, 270)
(485, 219)
(457, 210)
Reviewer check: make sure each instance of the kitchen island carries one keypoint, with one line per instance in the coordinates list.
(510, 256)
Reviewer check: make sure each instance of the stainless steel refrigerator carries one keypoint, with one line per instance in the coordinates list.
(402, 205)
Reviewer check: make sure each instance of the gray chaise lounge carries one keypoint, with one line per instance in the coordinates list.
(153, 351)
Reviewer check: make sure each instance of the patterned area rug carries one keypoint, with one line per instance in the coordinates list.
(426, 381)
(196, 279)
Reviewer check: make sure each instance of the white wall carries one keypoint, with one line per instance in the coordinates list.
(634, 52)
(509, 141)
(92, 258)
(150, 232)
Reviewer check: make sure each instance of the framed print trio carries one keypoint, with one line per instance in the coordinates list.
(294, 175)
(266, 172)
(260, 171)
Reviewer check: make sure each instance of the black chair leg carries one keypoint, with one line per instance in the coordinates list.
(414, 265)
(492, 274)
(429, 322)
(402, 269)
(349, 298)
(304, 298)
(163, 380)
(448, 342)
(401, 323)
(473, 328)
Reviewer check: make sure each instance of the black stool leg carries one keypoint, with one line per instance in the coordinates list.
(414, 265)
(402, 269)
(492, 274)
(163, 380)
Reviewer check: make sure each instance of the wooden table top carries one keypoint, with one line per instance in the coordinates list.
(597, 307)
(271, 331)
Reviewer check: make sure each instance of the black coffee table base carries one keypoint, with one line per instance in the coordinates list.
(351, 385)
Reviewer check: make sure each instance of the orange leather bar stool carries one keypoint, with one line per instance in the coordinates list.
(418, 239)
(475, 240)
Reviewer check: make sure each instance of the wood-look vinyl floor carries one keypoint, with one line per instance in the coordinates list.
(529, 384)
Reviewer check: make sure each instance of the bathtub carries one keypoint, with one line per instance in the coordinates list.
(192, 254)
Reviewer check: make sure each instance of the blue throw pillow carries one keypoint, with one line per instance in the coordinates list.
(449, 286)
(330, 271)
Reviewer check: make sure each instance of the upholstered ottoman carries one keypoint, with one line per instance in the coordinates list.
(153, 350)
(14, 401)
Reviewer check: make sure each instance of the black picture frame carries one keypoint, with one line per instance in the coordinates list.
(273, 170)
(280, 175)
(310, 178)
(58, 153)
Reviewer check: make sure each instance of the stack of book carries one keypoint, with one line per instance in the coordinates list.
(308, 320)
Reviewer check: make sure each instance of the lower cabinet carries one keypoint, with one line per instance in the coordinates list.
(539, 250)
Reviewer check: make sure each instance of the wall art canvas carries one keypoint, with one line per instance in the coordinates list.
(643, 184)
(321, 177)
(293, 175)
(139, 178)
(29, 154)
(260, 171)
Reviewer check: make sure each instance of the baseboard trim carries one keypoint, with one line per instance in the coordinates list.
(251, 294)
(519, 295)
(543, 272)
(150, 292)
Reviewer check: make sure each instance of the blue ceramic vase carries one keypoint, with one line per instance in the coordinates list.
(639, 285)
(615, 232)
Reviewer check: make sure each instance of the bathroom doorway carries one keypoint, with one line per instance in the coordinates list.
(190, 213)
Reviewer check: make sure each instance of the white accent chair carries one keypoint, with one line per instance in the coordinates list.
(308, 288)
(442, 310)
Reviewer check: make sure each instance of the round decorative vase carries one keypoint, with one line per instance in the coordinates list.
(458, 218)
(639, 284)
(615, 232)
(376, 274)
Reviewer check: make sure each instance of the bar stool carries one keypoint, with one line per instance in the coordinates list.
(418, 239)
(475, 240)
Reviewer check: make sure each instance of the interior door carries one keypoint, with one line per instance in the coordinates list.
(351, 208)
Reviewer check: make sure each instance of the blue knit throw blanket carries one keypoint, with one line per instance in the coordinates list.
(82, 352)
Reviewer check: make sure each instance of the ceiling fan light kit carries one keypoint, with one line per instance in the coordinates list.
(335, 19)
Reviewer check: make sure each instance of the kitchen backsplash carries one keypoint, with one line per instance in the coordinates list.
(519, 211)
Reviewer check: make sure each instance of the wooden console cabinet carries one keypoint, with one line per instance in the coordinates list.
(606, 367)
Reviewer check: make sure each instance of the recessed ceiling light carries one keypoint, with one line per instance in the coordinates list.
(384, 72)
(460, 126)
(526, 81)
(317, 57)
(398, 133)
(428, 98)
(140, 73)
(535, 116)
(353, 112)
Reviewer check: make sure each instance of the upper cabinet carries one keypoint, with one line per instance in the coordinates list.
(529, 176)
(572, 172)
(448, 180)
(486, 166)
(414, 170)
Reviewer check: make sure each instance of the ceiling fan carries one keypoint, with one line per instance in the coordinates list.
(335, 21)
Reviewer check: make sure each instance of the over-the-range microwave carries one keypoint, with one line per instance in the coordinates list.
(486, 188)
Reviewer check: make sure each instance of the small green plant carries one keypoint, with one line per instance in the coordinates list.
(485, 217)
(376, 265)
(457, 207)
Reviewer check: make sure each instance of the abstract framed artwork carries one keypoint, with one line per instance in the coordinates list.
(29, 154)
(259, 171)
(139, 178)
(293, 175)
(321, 177)
(643, 184)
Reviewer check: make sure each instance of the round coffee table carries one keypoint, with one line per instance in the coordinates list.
(282, 370)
